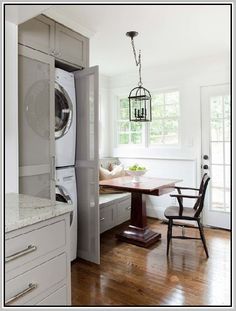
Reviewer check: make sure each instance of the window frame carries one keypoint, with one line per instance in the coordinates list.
(146, 126)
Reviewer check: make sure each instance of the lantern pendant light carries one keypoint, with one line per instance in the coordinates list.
(139, 97)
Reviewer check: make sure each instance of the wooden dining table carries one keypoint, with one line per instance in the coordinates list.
(138, 232)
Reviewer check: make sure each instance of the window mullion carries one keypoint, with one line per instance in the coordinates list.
(146, 134)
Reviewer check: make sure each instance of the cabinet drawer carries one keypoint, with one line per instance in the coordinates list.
(26, 247)
(106, 218)
(123, 211)
(36, 281)
(58, 298)
(38, 33)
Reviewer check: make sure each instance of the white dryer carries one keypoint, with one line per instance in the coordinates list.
(65, 118)
(66, 192)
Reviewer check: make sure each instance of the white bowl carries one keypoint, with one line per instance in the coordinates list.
(136, 175)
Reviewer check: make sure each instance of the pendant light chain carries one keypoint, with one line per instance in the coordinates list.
(140, 79)
(137, 62)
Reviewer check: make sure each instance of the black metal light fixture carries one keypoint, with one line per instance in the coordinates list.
(139, 97)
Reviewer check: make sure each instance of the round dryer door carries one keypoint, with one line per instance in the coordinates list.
(63, 111)
(63, 196)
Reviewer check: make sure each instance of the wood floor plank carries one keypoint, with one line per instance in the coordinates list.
(134, 276)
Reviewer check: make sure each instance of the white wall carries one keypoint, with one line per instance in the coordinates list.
(170, 162)
(188, 77)
(11, 107)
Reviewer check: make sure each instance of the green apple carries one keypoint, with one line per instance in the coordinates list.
(137, 167)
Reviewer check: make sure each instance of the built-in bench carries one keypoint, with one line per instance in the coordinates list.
(114, 210)
(114, 207)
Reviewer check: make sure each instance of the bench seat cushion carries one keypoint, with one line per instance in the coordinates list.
(105, 199)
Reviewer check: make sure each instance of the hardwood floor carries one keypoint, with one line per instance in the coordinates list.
(131, 275)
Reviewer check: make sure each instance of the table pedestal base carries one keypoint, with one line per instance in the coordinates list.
(143, 237)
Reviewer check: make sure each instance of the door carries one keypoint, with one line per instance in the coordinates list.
(36, 123)
(216, 153)
(86, 84)
(38, 33)
(66, 192)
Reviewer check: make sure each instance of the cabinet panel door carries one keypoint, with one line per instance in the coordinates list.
(38, 33)
(123, 211)
(107, 217)
(36, 123)
(71, 46)
(86, 82)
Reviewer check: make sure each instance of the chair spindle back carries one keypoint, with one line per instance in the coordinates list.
(202, 191)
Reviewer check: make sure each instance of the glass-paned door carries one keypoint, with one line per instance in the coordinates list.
(216, 153)
(36, 123)
(86, 164)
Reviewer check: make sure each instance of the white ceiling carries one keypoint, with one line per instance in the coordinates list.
(167, 33)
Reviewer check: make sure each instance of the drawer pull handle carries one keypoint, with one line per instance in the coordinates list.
(101, 219)
(29, 249)
(30, 287)
(128, 208)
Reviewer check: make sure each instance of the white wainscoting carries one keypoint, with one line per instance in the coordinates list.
(184, 169)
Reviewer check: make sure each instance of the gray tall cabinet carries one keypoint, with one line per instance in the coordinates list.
(42, 43)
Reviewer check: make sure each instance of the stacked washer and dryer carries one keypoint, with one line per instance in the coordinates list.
(65, 135)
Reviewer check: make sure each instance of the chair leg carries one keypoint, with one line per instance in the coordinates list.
(169, 235)
(203, 238)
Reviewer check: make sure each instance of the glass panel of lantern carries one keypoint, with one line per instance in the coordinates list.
(140, 105)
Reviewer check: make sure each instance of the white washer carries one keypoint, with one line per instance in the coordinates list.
(65, 118)
(66, 192)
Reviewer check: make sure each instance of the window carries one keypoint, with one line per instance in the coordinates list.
(220, 152)
(165, 119)
(164, 128)
(128, 132)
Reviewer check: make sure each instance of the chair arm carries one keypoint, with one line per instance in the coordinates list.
(185, 196)
(187, 188)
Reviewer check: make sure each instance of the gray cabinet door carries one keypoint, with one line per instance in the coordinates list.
(86, 165)
(71, 46)
(36, 123)
(38, 33)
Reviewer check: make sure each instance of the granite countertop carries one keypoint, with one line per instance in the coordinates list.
(24, 210)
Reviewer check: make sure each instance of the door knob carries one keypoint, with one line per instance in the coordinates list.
(205, 167)
(205, 157)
